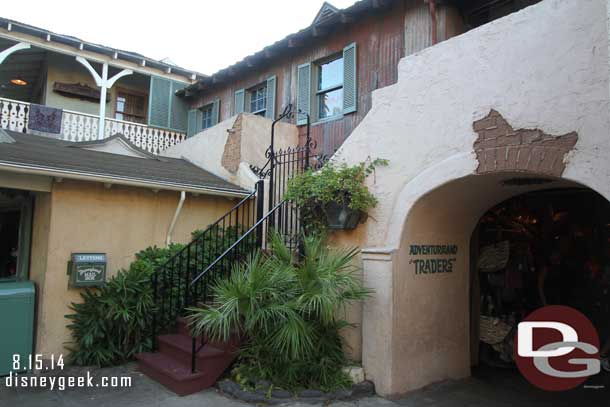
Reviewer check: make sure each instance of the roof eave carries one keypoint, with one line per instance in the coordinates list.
(22, 28)
(118, 180)
(296, 40)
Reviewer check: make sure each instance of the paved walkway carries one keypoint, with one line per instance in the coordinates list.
(504, 389)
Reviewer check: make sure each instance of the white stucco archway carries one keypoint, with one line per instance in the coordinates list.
(424, 317)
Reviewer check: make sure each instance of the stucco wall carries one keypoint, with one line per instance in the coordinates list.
(251, 136)
(545, 67)
(119, 221)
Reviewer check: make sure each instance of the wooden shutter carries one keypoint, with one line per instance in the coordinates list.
(350, 79)
(239, 101)
(303, 92)
(271, 90)
(179, 109)
(195, 122)
(158, 108)
(215, 111)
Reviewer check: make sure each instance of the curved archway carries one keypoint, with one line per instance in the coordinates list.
(430, 327)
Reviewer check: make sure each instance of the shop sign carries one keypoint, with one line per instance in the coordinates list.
(87, 269)
(430, 261)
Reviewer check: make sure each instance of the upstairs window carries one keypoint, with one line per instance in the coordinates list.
(130, 106)
(207, 116)
(258, 100)
(330, 88)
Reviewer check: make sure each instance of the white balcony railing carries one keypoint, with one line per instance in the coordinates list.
(78, 126)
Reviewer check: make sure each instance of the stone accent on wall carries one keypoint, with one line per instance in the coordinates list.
(231, 156)
(499, 147)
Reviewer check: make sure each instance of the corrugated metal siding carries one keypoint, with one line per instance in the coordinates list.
(382, 40)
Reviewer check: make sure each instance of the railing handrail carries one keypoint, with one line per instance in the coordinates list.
(94, 116)
(241, 238)
(210, 227)
(15, 101)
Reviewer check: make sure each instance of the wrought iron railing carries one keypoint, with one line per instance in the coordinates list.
(172, 288)
(185, 279)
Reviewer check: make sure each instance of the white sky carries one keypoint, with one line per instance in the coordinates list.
(204, 35)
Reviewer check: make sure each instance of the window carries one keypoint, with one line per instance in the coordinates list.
(330, 88)
(207, 117)
(131, 106)
(258, 100)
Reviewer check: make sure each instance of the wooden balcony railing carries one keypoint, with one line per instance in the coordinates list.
(77, 126)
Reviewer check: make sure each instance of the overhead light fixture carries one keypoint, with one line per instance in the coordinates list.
(18, 82)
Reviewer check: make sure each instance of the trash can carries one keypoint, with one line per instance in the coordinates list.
(16, 323)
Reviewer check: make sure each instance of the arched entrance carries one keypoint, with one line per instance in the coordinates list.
(432, 295)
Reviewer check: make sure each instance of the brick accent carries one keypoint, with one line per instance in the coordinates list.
(499, 147)
(231, 156)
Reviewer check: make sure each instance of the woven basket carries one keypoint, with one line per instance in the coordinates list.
(494, 257)
(493, 330)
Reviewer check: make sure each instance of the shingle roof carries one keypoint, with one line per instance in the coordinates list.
(51, 156)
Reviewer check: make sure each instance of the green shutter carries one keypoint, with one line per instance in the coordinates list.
(303, 92)
(159, 102)
(270, 108)
(195, 122)
(179, 109)
(350, 79)
(215, 111)
(239, 101)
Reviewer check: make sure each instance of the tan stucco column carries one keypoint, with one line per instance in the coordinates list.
(377, 318)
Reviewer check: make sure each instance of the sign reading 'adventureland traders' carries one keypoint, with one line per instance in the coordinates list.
(434, 258)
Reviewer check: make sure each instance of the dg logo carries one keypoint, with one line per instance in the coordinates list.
(557, 348)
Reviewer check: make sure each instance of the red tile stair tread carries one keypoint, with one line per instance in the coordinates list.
(169, 366)
(184, 343)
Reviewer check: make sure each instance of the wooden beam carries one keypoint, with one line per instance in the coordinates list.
(319, 31)
(345, 18)
(294, 43)
(381, 4)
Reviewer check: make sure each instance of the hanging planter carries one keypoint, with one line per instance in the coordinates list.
(334, 197)
(341, 216)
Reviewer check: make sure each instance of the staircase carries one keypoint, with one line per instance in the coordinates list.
(186, 364)
(171, 364)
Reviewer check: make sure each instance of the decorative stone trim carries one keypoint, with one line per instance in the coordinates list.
(377, 253)
(278, 396)
(499, 147)
(231, 156)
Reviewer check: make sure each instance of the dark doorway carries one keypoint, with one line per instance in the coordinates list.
(15, 234)
(549, 247)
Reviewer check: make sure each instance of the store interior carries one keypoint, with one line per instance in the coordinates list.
(549, 247)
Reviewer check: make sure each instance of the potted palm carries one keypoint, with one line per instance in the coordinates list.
(336, 196)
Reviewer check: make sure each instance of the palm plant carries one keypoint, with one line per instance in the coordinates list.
(286, 307)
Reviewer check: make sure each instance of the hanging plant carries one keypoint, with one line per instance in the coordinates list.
(335, 196)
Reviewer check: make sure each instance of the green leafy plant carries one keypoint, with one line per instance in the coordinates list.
(112, 323)
(286, 308)
(338, 183)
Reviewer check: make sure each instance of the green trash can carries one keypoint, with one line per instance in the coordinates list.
(16, 323)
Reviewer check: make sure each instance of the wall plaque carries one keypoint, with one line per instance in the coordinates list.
(87, 269)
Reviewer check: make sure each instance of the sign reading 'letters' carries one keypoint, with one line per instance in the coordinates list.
(87, 269)
(436, 264)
